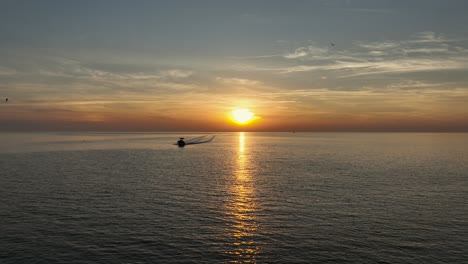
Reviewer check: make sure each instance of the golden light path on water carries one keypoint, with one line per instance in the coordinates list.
(243, 208)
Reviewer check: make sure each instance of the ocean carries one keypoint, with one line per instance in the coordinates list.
(242, 198)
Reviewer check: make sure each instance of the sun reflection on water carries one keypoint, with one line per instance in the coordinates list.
(242, 209)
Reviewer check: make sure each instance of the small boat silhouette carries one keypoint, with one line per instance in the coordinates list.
(181, 142)
(193, 141)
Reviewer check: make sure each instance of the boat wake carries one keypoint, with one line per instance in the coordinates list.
(199, 140)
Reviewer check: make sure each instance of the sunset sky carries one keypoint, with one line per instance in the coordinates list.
(186, 65)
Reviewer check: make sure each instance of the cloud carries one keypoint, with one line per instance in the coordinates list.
(384, 45)
(57, 79)
(403, 66)
(427, 50)
(422, 52)
(53, 66)
(377, 67)
(424, 42)
(416, 84)
(301, 52)
(176, 73)
(428, 37)
(237, 81)
(258, 57)
(306, 52)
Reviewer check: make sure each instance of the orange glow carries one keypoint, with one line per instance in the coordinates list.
(242, 116)
(185, 116)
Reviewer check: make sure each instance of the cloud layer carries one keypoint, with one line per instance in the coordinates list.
(380, 83)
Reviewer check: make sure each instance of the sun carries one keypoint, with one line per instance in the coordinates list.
(242, 116)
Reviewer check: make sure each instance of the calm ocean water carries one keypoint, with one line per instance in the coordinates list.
(245, 197)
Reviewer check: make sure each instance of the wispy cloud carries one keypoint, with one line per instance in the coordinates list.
(429, 37)
(237, 81)
(403, 66)
(417, 84)
(306, 52)
(257, 57)
(422, 52)
(384, 45)
(176, 73)
(57, 79)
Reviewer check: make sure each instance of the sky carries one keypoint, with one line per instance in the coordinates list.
(337, 65)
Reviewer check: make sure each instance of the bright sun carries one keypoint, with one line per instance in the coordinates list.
(242, 116)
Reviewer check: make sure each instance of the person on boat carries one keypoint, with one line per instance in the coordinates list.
(181, 142)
